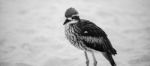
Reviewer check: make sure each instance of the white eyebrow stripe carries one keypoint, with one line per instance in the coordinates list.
(69, 18)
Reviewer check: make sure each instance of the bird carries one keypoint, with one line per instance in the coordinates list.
(87, 36)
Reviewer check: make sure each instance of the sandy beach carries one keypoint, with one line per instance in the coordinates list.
(32, 31)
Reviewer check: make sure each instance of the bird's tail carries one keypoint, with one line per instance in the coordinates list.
(109, 57)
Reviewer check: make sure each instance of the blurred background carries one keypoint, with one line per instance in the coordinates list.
(32, 31)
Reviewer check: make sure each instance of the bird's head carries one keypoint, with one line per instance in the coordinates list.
(71, 15)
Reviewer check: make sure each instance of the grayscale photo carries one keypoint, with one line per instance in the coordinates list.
(74, 33)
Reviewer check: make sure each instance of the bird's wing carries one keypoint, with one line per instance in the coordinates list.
(90, 29)
(95, 38)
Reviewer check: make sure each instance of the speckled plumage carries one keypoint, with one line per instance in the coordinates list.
(87, 36)
(94, 39)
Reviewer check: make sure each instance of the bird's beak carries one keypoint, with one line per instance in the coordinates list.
(66, 21)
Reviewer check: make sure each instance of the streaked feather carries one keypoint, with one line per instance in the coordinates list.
(96, 37)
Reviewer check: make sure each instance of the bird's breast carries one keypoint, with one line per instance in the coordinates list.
(73, 36)
(70, 33)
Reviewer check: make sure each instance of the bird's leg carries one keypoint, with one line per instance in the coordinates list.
(87, 59)
(94, 59)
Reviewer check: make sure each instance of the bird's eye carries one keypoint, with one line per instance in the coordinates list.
(75, 17)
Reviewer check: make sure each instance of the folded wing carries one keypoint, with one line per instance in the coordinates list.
(95, 38)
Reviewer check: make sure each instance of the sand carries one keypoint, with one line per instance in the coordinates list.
(32, 31)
